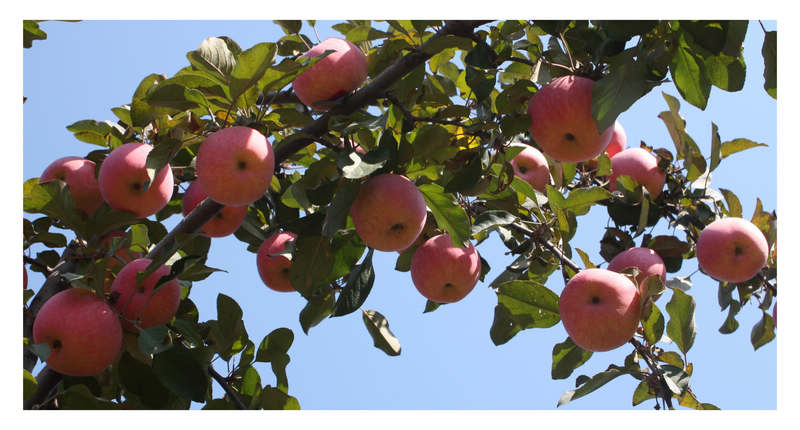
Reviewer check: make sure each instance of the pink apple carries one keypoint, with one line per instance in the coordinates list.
(225, 222)
(775, 314)
(640, 165)
(646, 260)
(339, 73)
(234, 165)
(619, 141)
(731, 249)
(389, 212)
(78, 173)
(82, 330)
(274, 271)
(123, 176)
(444, 273)
(562, 123)
(530, 165)
(137, 301)
(600, 309)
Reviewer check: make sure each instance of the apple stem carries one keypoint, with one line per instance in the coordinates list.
(666, 393)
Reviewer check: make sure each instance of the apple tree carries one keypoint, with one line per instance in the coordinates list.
(412, 140)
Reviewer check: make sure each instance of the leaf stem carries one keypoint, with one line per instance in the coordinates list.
(227, 387)
(666, 393)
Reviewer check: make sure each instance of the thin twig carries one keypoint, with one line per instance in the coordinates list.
(532, 64)
(656, 369)
(566, 49)
(47, 269)
(227, 387)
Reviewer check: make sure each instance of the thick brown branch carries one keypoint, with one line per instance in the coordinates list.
(227, 387)
(192, 223)
(666, 393)
(47, 380)
(279, 97)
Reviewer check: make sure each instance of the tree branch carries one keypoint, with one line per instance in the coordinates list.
(192, 223)
(47, 379)
(656, 369)
(227, 387)
(277, 97)
(36, 263)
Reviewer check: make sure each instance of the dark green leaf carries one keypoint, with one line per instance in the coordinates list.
(159, 157)
(140, 380)
(581, 200)
(653, 324)
(378, 327)
(681, 327)
(250, 67)
(763, 332)
(724, 72)
(592, 384)
(275, 399)
(290, 26)
(716, 148)
(229, 314)
(431, 306)
(312, 263)
(316, 310)
(42, 350)
(273, 349)
(188, 331)
(213, 55)
(490, 219)
(78, 397)
(179, 371)
(358, 286)
(730, 325)
(466, 177)
(175, 96)
(29, 384)
(613, 94)
(769, 50)
(31, 32)
(566, 358)
(642, 392)
(154, 340)
(524, 304)
(449, 216)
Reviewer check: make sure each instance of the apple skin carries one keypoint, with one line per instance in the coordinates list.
(731, 249)
(389, 212)
(562, 123)
(135, 299)
(600, 309)
(83, 332)
(234, 165)
(444, 273)
(619, 140)
(338, 74)
(646, 260)
(225, 222)
(122, 178)
(640, 165)
(274, 271)
(78, 173)
(530, 165)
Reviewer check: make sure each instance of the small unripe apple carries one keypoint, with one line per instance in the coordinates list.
(78, 173)
(340, 73)
(389, 212)
(731, 249)
(123, 176)
(234, 165)
(646, 260)
(562, 122)
(137, 301)
(600, 309)
(274, 271)
(82, 330)
(444, 273)
(530, 165)
(640, 165)
(225, 222)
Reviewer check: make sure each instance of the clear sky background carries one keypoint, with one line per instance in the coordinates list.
(448, 360)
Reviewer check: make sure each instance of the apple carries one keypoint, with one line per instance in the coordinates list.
(530, 165)
(389, 212)
(600, 309)
(640, 165)
(340, 73)
(78, 173)
(646, 260)
(82, 330)
(775, 314)
(562, 123)
(444, 273)
(731, 249)
(234, 165)
(274, 271)
(137, 301)
(121, 257)
(123, 176)
(225, 222)
(619, 141)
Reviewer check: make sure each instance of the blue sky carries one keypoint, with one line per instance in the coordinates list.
(448, 361)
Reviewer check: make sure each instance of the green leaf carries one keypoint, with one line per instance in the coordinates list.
(154, 340)
(734, 206)
(175, 96)
(290, 26)
(716, 148)
(653, 324)
(250, 67)
(378, 327)
(213, 55)
(689, 74)
(566, 358)
(592, 384)
(139, 379)
(769, 50)
(275, 399)
(681, 327)
(188, 331)
(29, 384)
(79, 397)
(642, 393)
(490, 219)
(730, 325)
(521, 305)
(724, 72)
(159, 157)
(274, 349)
(229, 314)
(358, 286)
(763, 332)
(466, 177)
(102, 133)
(356, 166)
(628, 81)
(736, 145)
(312, 263)
(645, 211)
(42, 350)
(179, 371)
(316, 310)
(449, 216)
(31, 32)
(581, 200)
(431, 306)
(587, 263)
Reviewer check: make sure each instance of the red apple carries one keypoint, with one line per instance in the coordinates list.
(274, 271)
(123, 176)
(530, 165)
(600, 309)
(389, 212)
(137, 301)
(78, 173)
(619, 140)
(444, 273)
(646, 260)
(731, 249)
(83, 332)
(234, 165)
(339, 73)
(562, 123)
(640, 165)
(225, 222)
